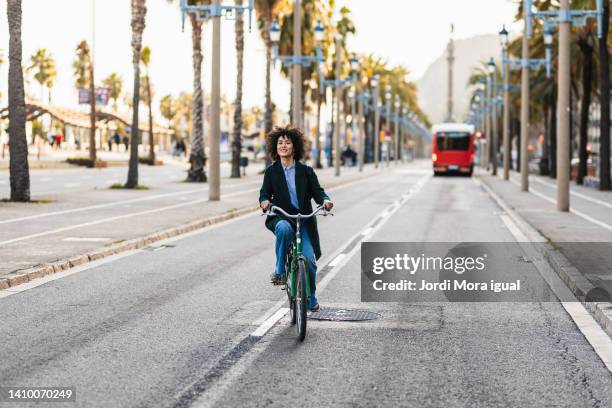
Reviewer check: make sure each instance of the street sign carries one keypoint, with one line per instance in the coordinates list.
(102, 96)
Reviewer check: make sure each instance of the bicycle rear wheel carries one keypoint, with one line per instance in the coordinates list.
(301, 300)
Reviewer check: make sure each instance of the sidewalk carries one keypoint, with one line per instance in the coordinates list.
(56, 159)
(37, 240)
(581, 239)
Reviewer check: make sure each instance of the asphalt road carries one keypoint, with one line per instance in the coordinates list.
(170, 326)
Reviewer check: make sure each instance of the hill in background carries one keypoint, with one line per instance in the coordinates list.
(432, 86)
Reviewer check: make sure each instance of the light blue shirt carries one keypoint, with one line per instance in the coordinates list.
(290, 177)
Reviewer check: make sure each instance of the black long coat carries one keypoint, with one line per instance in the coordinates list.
(275, 190)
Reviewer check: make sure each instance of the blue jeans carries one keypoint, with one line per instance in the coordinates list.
(285, 234)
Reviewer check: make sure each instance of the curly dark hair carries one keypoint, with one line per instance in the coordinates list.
(296, 136)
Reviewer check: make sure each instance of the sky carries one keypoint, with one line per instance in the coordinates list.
(408, 32)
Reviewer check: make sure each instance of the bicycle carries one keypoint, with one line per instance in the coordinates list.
(297, 277)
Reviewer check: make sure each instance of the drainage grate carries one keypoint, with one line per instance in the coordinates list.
(346, 315)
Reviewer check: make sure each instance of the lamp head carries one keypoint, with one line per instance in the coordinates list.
(275, 32)
(503, 37)
(319, 31)
(548, 36)
(491, 66)
(374, 81)
(354, 62)
(388, 92)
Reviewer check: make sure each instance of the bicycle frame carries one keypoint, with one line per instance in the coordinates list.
(296, 254)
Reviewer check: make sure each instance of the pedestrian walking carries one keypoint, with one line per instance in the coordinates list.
(126, 142)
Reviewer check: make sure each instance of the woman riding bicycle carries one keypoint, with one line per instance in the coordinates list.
(291, 185)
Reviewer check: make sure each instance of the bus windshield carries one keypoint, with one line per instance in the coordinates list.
(453, 141)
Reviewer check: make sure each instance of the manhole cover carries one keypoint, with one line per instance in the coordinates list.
(346, 315)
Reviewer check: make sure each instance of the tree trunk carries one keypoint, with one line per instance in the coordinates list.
(197, 158)
(268, 112)
(587, 79)
(553, 139)
(544, 159)
(151, 134)
(139, 11)
(236, 139)
(18, 144)
(92, 115)
(604, 86)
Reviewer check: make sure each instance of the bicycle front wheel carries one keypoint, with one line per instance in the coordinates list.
(301, 300)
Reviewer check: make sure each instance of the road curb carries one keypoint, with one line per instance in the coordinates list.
(563, 267)
(40, 271)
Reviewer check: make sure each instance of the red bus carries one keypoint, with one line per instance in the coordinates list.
(453, 148)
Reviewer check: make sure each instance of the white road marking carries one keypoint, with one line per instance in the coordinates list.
(574, 193)
(573, 211)
(337, 260)
(271, 321)
(599, 340)
(366, 231)
(85, 239)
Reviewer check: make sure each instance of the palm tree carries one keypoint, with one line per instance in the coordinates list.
(84, 73)
(604, 95)
(268, 11)
(236, 142)
(45, 72)
(147, 92)
(19, 170)
(114, 83)
(197, 157)
(148, 99)
(139, 11)
(586, 49)
(168, 108)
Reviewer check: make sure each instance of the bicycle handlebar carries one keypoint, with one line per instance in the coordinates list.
(273, 209)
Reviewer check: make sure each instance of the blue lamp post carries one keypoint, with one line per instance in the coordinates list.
(374, 82)
(388, 123)
(214, 12)
(564, 17)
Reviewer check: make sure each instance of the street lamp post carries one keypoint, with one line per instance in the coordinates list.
(354, 68)
(397, 123)
(375, 92)
(563, 112)
(525, 107)
(338, 110)
(362, 149)
(525, 64)
(388, 121)
(297, 68)
(564, 17)
(493, 73)
(503, 34)
(403, 135)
